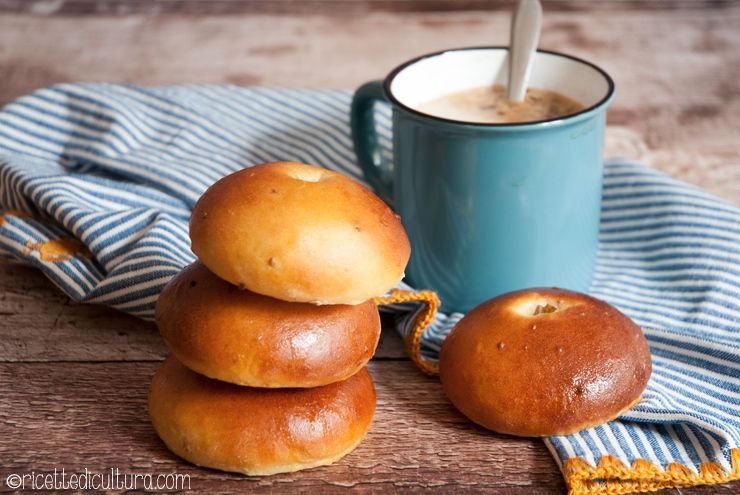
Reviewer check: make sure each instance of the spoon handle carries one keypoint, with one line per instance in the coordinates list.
(525, 34)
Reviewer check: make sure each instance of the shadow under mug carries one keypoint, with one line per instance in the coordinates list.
(489, 208)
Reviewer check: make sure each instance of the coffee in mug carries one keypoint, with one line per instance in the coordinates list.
(489, 104)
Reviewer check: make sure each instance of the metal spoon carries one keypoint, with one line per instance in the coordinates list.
(525, 34)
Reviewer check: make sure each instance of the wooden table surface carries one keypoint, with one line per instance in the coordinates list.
(73, 378)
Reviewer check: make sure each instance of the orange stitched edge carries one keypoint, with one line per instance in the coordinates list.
(12, 213)
(612, 476)
(423, 319)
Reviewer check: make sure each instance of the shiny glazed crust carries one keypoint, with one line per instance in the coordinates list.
(553, 373)
(299, 233)
(242, 337)
(258, 431)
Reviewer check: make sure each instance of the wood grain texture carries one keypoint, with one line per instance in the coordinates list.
(39, 323)
(93, 415)
(230, 7)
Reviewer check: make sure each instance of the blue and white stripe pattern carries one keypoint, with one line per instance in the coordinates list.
(669, 258)
(119, 168)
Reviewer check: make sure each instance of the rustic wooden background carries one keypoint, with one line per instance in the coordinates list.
(73, 378)
(332, 7)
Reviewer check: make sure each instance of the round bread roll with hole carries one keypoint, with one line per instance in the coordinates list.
(543, 362)
(258, 431)
(299, 233)
(246, 338)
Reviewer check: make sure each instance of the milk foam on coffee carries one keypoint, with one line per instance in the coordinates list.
(488, 104)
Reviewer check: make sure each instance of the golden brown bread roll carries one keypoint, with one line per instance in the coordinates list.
(543, 362)
(258, 431)
(299, 233)
(246, 338)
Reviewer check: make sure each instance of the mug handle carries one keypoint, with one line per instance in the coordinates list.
(378, 172)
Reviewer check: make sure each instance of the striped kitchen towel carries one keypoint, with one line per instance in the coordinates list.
(98, 180)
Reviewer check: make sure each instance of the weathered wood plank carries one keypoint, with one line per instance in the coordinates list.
(230, 7)
(39, 323)
(93, 415)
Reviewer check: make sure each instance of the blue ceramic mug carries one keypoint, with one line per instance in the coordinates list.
(489, 208)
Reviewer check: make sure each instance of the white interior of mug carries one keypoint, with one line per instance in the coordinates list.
(459, 70)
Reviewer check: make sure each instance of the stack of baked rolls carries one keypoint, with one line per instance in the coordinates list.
(271, 328)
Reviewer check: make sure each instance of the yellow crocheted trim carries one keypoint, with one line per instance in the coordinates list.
(423, 319)
(612, 476)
